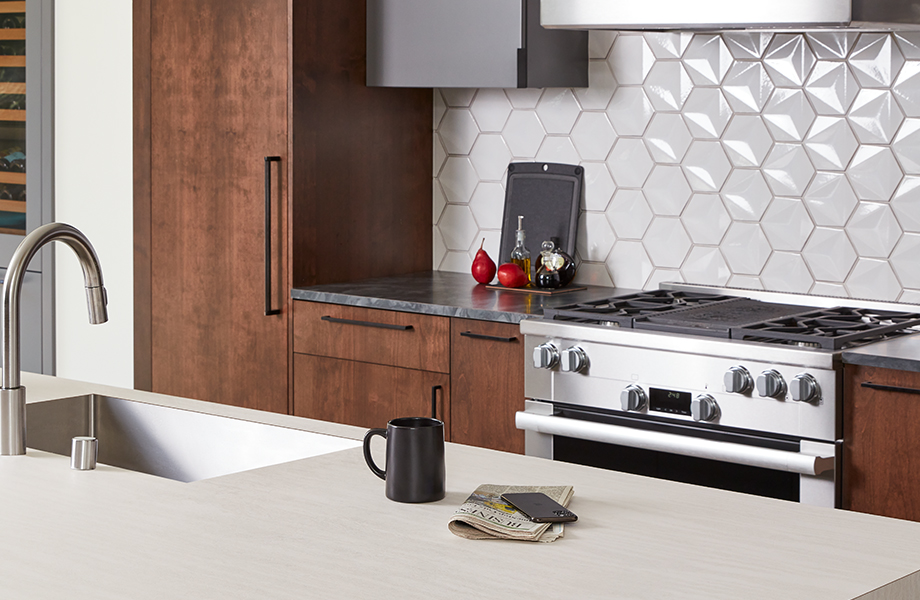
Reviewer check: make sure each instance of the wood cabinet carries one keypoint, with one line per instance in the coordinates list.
(486, 384)
(881, 459)
(366, 394)
(385, 337)
(210, 338)
(364, 366)
(221, 233)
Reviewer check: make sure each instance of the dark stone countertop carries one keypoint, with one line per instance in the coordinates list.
(447, 294)
(901, 353)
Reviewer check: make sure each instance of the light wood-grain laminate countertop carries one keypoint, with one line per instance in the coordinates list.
(322, 528)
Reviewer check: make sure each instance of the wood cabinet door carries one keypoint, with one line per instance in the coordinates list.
(486, 384)
(218, 88)
(881, 460)
(364, 394)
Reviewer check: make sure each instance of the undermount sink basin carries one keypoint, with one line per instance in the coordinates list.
(169, 442)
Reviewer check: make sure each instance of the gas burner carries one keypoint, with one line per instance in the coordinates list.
(782, 342)
(807, 344)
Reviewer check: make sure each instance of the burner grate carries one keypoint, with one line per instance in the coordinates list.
(622, 311)
(739, 318)
(833, 328)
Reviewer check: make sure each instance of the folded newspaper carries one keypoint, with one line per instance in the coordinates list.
(485, 516)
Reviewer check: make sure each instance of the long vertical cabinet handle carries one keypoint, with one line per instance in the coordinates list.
(269, 311)
(434, 400)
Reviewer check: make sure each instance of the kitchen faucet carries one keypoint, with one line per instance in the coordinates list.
(12, 394)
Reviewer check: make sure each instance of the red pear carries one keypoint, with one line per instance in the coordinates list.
(483, 268)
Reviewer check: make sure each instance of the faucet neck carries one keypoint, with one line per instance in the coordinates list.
(12, 287)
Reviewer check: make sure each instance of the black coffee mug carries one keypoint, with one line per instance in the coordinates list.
(415, 459)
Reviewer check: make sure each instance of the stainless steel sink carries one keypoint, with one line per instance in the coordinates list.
(169, 442)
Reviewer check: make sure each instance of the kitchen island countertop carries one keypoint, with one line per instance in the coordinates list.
(322, 528)
(447, 294)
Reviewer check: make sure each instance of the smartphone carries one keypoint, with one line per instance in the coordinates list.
(540, 508)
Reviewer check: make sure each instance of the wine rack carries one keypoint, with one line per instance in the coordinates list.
(12, 117)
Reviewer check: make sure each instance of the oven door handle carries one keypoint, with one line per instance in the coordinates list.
(742, 454)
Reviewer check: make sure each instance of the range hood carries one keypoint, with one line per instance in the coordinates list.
(729, 14)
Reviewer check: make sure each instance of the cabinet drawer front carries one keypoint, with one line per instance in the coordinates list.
(884, 379)
(363, 394)
(881, 446)
(383, 337)
(487, 384)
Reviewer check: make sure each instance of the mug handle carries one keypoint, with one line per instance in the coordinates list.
(367, 452)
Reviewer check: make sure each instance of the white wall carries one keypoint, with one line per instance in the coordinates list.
(786, 162)
(93, 184)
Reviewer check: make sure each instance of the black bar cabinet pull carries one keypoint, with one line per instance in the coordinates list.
(365, 323)
(889, 388)
(434, 400)
(481, 336)
(269, 311)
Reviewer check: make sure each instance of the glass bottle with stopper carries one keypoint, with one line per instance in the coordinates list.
(520, 255)
(555, 268)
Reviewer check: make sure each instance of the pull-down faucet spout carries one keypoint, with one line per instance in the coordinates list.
(12, 394)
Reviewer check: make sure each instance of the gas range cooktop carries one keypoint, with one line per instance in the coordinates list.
(731, 317)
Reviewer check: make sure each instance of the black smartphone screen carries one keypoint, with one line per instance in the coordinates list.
(540, 507)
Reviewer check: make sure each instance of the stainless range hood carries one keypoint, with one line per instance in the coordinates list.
(729, 14)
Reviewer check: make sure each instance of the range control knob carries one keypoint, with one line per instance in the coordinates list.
(704, 408)
(738, 381)
(770, 384)
(573, 359)
(804, 388)
(545, 356)
(633, 398)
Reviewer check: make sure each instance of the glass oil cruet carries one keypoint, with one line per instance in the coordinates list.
(520, 255)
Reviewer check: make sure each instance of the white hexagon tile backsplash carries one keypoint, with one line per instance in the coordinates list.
(786, 161)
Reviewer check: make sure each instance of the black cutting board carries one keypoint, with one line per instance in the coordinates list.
(548, 196)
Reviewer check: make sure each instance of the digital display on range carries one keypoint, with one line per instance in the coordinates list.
(669, 401)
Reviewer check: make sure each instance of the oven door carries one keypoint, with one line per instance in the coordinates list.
(751, 462)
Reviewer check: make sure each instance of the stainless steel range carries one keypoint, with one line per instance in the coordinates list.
(728, 388)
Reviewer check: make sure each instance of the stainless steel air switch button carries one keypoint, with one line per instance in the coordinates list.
(83, 451)
(738, 380)
(770, 384)
(573, 359)
(804, 388)
(633, 398)
(704, 408)
(545, 356)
